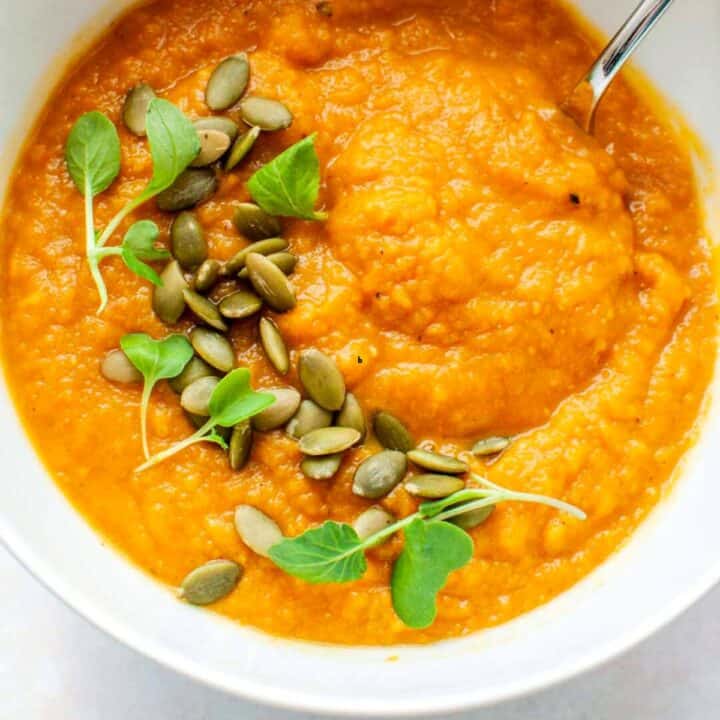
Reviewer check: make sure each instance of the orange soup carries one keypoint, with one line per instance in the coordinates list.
(486, 269)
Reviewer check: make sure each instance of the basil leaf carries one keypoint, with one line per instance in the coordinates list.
(174, 143)
(156, 360)
(92, 153)
(331, 553)
(432, 551)
(233, 400)
(288, 185)
(138, 245)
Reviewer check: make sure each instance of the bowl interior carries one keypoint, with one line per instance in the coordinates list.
(668, 563)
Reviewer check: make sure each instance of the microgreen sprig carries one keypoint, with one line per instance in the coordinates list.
(232, 401)
(92, 155)
(156, 360)
(433, 548)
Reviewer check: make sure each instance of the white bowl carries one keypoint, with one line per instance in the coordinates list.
(668, 563)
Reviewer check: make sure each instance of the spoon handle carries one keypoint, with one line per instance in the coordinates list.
(602, 72)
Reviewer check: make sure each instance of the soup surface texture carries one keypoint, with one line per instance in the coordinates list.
(486, 268)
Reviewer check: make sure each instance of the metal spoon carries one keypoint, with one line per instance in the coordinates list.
(582, 103)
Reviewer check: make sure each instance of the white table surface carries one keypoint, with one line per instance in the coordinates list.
(56, 666)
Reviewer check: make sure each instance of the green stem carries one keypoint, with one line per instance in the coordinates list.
(101, 253)
(144, 402)
(379, 536)
(90, 248)
(113, 225)
(196, 437)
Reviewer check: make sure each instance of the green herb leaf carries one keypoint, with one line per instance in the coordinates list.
(92, 153)
(233, 400)
(432, 551)
(288, 185)
(174, 144)
(156, 360)
(331, 553)
(138, 245)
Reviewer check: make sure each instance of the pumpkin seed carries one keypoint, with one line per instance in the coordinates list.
(274, 346)
(213, 145)
(187, 241)
(256, 529)
(265, 113)
(116, 367)
(270, 282)
(472, 518)
(379, 474)
(241, 147)
(217, 122)
(285, 406)
(210, 582)
(197, 421)
(309, 417)
(205, 309)
(321, 468)
(193, 186)
(168, 300)
(352, 416)
(262, 247)
(195, 397)
(240, 445)
(240, 304)
(284, 260)
(391, 433)
(135, 108)
(254, 223)
(327, 441)
(437, 463)
(214, 348)
(228, 82)
(322, 380)
(197, 368)
(373, 520)
(206, 276)
(433, 486)
(491, 445)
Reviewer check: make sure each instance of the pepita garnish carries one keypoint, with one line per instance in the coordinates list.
(213, 145)
(194, 370)
(351, 415)
(372, 521)
(284, 260)
(321, 468)
(268, 246)
(309, 417)
(391, 433)
(240, 445)
(433, 486)
(193, 186)
(228, 82)
(285, 406)
(168, 299)
(437, 462)
(241, 147)
(327, 441)
(321, 379)
(254, 223)
(265, 113)
(270, 282)
(187, 241)
(204, 309)
(195, 397)
(210, 582)
(240, 304)
(472, 518)
(206, 276)
(116, 367)
(379, 474)
(274, 345)
(256, 529)
(217, 122)
(490, 445)
(135, 108)
(214, 348)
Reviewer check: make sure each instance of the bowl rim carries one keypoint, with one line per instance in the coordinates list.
(279, 697)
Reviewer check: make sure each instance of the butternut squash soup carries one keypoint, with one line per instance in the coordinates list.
(327, 315)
